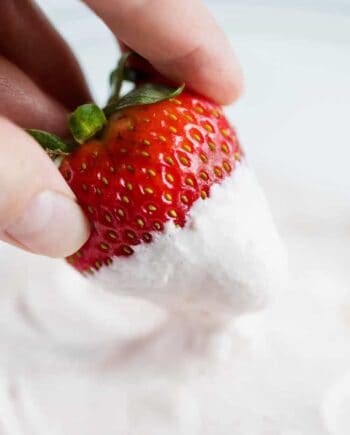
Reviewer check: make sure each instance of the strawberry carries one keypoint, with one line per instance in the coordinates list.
(158, 151)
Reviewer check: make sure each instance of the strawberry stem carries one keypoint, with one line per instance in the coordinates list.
(147, 93)
(118, 76)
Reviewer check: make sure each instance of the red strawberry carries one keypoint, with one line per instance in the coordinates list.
(147, 166)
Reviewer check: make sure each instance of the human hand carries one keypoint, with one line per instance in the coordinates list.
(40, 81)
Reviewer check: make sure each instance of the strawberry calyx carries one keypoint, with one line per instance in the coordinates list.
(86, 121)
(144, 93)
(52, 144)
(89, 120)
(148, 93)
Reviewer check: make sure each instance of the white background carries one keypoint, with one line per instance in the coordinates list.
(294, 116)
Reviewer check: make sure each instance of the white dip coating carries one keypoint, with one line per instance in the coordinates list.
(227, 258)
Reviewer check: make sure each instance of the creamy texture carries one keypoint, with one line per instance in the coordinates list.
(75, 359)
(227, 259)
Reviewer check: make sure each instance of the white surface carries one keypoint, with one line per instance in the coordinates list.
(76, 360)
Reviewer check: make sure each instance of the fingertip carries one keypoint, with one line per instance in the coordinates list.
(38, 210)
(186, 45)
(52, 225)
(211, 69)
(220, 73)
(232, 89)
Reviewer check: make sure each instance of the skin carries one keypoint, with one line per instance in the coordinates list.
(38, 211)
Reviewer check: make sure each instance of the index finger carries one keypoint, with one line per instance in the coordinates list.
(181, 39)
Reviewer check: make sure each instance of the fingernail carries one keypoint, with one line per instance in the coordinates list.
(52, 225)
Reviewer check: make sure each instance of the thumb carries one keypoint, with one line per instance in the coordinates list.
(38, 211)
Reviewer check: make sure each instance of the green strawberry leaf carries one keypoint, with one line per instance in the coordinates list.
(86, 121)
(52, 144)
(148, 93)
